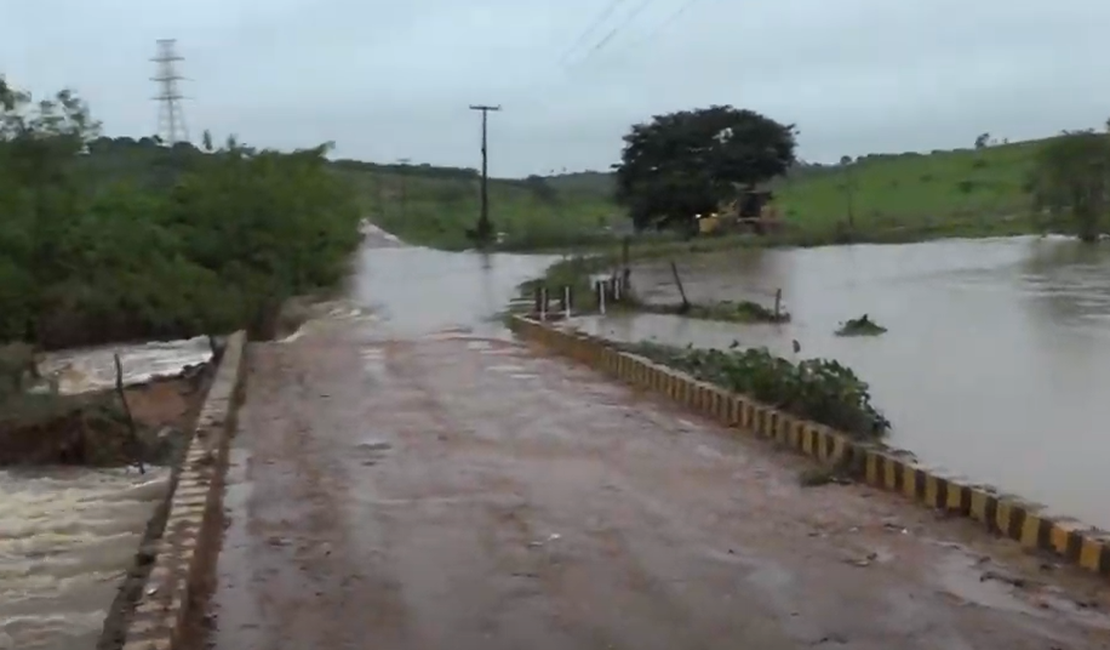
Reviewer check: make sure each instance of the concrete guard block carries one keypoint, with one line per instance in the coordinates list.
(191, 536)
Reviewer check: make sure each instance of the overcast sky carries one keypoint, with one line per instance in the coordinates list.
(390, 80)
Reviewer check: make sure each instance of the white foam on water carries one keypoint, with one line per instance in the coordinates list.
(67, 538)
(81, 370)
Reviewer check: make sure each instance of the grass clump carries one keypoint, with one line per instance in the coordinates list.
(820, 390)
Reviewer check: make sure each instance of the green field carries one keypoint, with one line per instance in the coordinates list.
(435, 206)
(893, 197)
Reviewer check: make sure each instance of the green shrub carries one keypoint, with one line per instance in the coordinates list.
(107, 239)
(820, 390)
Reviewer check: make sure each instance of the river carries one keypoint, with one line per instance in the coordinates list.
(996, 361)
(68, 535)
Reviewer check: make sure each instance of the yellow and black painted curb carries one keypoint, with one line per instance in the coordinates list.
(190, 541)
(881, 467)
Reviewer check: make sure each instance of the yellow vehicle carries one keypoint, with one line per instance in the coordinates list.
(754, 210)
(708, 224)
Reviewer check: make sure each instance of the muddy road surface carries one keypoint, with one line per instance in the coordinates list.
(453, 489)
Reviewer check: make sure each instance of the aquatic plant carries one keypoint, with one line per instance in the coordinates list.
(744, 311)
(821, 390)
(862, 326)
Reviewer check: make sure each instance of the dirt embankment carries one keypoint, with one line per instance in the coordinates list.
(93, 428)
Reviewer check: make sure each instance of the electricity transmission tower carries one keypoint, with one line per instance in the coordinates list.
(485, 228)
(171, 114)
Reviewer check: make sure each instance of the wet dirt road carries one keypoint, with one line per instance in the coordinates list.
(447, 491)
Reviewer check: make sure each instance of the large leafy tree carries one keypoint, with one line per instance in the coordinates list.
(1070, 181)
(685, 163)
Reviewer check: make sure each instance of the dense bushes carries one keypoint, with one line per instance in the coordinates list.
(105, 239)
(816, 389)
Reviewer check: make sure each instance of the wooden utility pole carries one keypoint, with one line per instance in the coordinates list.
(485, 228)
(404, 172)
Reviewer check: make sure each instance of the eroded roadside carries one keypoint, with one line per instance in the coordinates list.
(465, 493)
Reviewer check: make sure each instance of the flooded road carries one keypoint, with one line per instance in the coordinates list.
(419, 290)
(995, 364)
(412, 481)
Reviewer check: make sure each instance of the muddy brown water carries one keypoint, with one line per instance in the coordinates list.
(69, 534)
(403, 477)
(995, 365)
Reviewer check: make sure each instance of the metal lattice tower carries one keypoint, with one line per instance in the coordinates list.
(171, 113)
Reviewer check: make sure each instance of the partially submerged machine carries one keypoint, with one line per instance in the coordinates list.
(752, 211)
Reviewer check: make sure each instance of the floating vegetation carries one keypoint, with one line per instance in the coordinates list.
(862, 326)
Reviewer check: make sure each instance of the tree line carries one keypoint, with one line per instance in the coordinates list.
(116, 239)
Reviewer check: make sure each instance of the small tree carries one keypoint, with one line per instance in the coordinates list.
(1071, 179)
(686, 163)
(982, 140)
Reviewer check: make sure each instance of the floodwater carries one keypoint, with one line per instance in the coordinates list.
(68, 535)
(67, 538)
(416, 290)
(995, 364)
(409, 481)
(82, 370)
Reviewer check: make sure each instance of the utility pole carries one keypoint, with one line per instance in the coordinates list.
(404, 172)
(171, 114)
(485, 228)
(379, 188)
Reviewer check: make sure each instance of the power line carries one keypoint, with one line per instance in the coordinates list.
(171, 114)
(605, 13)
(600, 45)
(670, 20)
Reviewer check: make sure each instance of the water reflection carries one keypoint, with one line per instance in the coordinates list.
(994, 365)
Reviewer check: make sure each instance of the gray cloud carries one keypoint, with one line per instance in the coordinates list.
(391, 80)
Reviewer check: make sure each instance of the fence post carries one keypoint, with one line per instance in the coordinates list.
(601, 291)
(543, 303)
(566, 300)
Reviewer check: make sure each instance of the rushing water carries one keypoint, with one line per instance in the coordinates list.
(68, 535)
(87, 369)
(995, 365)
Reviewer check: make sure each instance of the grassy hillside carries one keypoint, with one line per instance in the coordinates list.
(434, 205)
(962, 192)
(893, 197)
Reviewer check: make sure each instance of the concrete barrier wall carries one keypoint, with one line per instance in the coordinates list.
(876, 465)
(188, 547)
